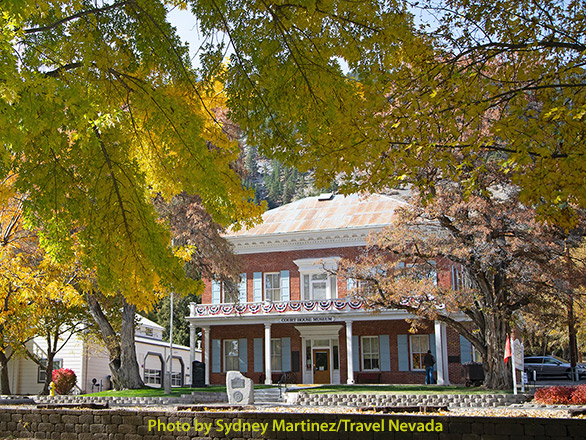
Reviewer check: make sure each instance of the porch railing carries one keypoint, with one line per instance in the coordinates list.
(266, 307)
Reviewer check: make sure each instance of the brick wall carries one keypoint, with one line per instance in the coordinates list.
(121, 424)
(277, 261)
(359, 328)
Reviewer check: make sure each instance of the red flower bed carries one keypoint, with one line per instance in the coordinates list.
(562, 395)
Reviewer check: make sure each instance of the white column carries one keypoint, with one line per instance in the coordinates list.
(445, 353)
(206, 356)
(268, 372)
(441, 353)
(191, 349)
(349, 354)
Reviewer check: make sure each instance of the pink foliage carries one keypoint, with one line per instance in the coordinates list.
(64, 380)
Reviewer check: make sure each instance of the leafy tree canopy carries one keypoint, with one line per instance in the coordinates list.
(100, 112)
(483, 255)
(503, 80)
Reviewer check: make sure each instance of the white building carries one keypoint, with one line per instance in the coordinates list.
(89, 360)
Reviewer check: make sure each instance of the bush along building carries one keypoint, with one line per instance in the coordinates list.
(292, 314)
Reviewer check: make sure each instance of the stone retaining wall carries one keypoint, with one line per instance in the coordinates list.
(128, 424)
(450, 400)
(196, 397)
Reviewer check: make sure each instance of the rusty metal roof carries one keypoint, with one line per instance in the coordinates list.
(337, 212)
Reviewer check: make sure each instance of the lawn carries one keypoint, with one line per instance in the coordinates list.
(399, 389)
(159, 392)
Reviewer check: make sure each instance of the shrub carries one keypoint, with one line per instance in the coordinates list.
(556, 395)
(64, 380)
(579, 395)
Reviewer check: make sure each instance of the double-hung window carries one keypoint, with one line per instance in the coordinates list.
(318, 280)
(315, 286)
(370, 353)
(152, 376)
(42, 373)
(231, 355)
(423, 270)
(276, 355)
(273, 287)
(419, 346)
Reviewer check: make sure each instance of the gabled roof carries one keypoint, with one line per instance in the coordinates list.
(314, 214)
(148, 323)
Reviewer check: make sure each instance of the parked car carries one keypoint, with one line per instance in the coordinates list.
(552, 366)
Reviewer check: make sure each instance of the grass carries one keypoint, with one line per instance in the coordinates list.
(160, 392)
(324, 389)
(400, 389)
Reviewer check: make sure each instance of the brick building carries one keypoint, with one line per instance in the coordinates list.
(292, 314)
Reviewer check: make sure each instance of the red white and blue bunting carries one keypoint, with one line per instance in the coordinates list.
(280, 307)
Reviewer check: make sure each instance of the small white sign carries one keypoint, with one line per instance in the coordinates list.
(309, 319)
(518, 355)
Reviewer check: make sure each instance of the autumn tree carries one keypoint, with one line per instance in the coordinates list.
(502, 260)
(377, 94)
(61, 315)
(210, 256)
(37, 297)
(100, 112)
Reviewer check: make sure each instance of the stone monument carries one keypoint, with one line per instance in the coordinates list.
(240, 388)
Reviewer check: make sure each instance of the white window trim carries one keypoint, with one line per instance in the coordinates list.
(362, 338)
(316, 266)
(329, 294)
(411, 351)
(225, 355)
(264, 286)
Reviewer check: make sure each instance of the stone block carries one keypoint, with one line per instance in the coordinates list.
(124, 428)
(240, 389)
(534, 429)
(86, 419)
(66, 418)
(97, 428)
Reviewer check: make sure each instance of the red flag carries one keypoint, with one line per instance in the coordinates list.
(507, 349)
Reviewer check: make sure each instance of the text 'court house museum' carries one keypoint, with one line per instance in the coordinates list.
(292, 315)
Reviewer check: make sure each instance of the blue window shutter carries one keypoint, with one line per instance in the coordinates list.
(242, 289)
(243, 355)
(432, 348)
(286, 355)
(216, 355)
(285, 296)
(257, 286)
(465, 350)
(216, 289)
(355, 353)
(385, 352)
(258, 359)
(403, 352)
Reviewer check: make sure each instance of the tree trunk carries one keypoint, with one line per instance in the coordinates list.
(122, 350)
(498, 375)
(572, 336)
(48, 370)
(4, 379)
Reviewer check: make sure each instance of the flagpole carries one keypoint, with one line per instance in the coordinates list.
(512, 343)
